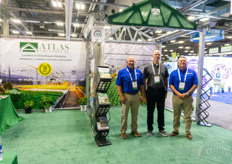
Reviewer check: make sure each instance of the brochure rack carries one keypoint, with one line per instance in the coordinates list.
(101, 106)
(205, 96)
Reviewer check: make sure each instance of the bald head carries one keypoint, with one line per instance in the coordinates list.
(156, 56)
(130, 62)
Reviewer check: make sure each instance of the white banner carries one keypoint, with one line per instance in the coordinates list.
(25, 59)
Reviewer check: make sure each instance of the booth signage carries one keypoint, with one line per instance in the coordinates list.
(211, 35)
(226, 48)
(213, 50)
(98, 34)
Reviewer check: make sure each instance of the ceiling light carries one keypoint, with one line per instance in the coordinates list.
(165, 50)
(169, 32)
(76, 25)
(111, 38)
(61, 34)
(205, 52)
(82, 6)
(139, 40)
(106, 27)
(78, 6)
(28, 32)
(181, 41)
(186, 51)
(191, 17)
(60, 23)
(1, 20)
(191, 51)
(208, 43)
(204, 19)
(173, 41)
(16, 21)
(229, 37)
(15, 32)
(59, 4)
(181, 47)
(54, 3)
(163, 46)
(158, 31)
(73, 35)
(187, 47)
(189, 54)
(171, 50)
(149, 40)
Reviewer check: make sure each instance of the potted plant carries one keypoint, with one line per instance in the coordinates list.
(83, 103)
(28, 106)
(47, 103)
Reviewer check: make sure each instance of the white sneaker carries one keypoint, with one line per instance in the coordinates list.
(163, 133)
(149, 133)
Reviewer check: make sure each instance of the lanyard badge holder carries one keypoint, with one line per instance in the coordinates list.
(182, 84)
(156, 77)
(134, 83)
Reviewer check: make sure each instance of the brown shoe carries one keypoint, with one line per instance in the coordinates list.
(173, 133)
(123, 135)
(189, 136)
(136, 134)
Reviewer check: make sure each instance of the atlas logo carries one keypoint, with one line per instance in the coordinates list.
(28, 47)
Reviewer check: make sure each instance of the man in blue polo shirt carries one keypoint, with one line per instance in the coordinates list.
(129, 83)
(183, 82)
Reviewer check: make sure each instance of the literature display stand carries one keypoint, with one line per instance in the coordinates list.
(101, 105)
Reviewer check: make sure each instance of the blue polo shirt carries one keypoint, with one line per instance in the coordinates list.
(191, 79)
(124, 79)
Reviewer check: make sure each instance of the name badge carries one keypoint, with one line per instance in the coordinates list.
(181, 85)
(156, 79)
(134, 85)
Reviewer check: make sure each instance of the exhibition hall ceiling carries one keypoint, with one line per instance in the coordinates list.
(68, 19)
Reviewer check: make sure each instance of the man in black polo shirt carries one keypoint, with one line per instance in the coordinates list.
(157, 75)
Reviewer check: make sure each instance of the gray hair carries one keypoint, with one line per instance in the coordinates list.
(182, 57)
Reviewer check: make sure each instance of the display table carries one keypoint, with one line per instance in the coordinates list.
(8, 115)
(9, 158)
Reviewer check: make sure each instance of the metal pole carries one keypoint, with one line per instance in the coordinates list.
(87, 71)
(200, 71)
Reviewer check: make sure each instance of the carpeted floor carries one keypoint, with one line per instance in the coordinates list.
(64, 136)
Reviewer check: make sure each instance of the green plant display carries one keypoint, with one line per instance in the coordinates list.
(47, 101)
(36, 96)
(28, 104)
(82, 100)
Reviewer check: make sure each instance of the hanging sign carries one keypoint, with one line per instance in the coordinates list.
(98, 34)
(226, 48)
(211, 35)
(213, 50)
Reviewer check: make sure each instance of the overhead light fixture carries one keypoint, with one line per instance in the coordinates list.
(28, 32)
(74, 35)
(169, 32)
(186, 51)
(61, 34)
(149, 40)
(165, 50)
(191, 51)
(57, 3)
(111, 38)
(191, 17)
(139, 40)
(204, 19)
(106, 27)
(80, 6)
(15, 32)
(187, 47)
(17, 21)
(181, 41)
(173, 41)
(163, 46)
(59, 23)
(158, 31)
(208, 43)
(76, 25)
(229, 37)
(181, 47)
(171, 50)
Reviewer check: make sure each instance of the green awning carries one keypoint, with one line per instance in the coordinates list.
(154, 13)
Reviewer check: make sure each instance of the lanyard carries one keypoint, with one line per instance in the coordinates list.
(130, 74)
(154, 69)
(185, 75)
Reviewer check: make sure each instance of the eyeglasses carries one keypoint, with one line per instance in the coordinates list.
(157, 54)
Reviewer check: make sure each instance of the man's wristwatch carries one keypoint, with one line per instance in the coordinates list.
(187, 93)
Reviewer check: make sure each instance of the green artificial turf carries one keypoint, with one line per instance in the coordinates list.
(65, 137)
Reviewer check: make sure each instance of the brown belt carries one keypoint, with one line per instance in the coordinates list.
(130, 93)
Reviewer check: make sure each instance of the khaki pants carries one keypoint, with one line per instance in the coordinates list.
(133, 102)
(179, 104)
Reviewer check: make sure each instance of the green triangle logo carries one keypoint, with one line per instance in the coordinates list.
(28, 47)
